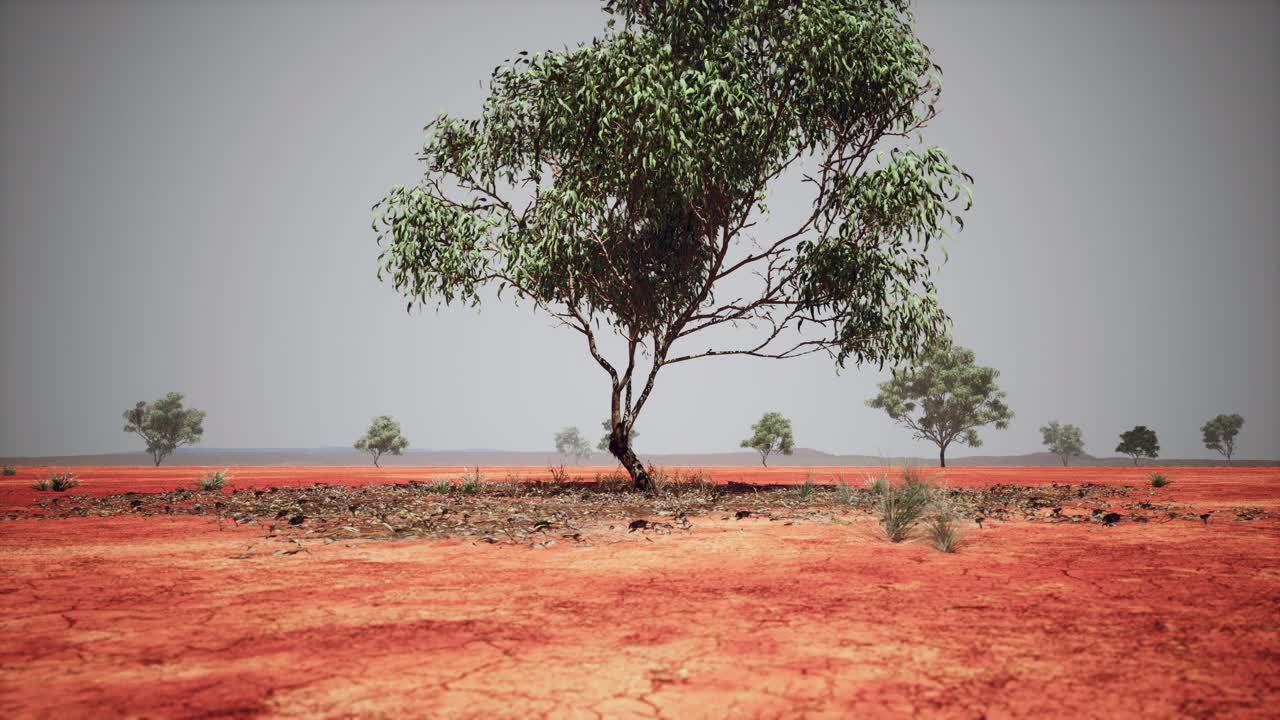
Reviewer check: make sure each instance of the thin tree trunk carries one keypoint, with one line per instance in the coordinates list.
(942, 455)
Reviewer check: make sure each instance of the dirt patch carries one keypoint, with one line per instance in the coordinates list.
(196, 614)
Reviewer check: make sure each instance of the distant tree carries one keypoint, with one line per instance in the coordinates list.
(1065, 441)
(603, 445)
(1138, 443)
(569, 441)
(1220, 434)
(772, 434)
(165, 425)
(616, 186)
(945, 399)
(383, 437)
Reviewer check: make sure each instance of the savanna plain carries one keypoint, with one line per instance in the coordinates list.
(731, 592)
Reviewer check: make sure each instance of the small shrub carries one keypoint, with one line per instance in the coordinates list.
(682, 484)
(942, 529)
(845, 494)
(877, 484)
(472, 483)
(1158, 480)
(213, 480)
(808, 489)
(10, 470)
(57, 482)
(440, 487)
(558, 474)
(903, 506)
(616, 482)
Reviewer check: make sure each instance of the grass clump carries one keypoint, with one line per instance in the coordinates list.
(213, 480)
(440, 487)
(694, 483)
(57, 482)
(471, 484)
(1158, 480)
(10, 470)
(941, 528)
(808, 489)
(901, 507)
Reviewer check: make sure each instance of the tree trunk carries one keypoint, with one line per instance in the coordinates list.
(764, 459)
(1064, 460)
(375, 460)
(942, 455)
(621, 449)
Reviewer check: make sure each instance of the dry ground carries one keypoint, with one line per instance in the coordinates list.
(156, 609)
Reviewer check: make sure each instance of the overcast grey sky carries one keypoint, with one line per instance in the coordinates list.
(185, 194)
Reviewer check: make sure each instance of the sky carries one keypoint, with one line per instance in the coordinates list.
(185, 193)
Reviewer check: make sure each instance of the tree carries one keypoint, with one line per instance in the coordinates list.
(1138, 443)
(1220, 434)
(1064, 441)
(616, 186)
(945, 399)
(165, 425)
(605, 441)
(569, 441)
(383, 437)
(772, 434)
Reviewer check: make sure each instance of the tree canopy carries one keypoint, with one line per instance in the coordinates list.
(569, 442)
(945, 398)
(770, 435)
(619, 186)
(1065, 441)
(1220, 434)
(165, 425)
(382, 438)
(1138, 443)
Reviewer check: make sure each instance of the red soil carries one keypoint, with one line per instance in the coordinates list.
(178, 617)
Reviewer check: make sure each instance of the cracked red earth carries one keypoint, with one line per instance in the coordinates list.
(183, 616)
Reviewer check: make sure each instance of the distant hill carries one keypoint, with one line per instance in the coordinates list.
(499, 458)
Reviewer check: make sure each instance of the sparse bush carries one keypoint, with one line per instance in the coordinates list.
(558, 474)
(440, 487)
(213, 480)
(808, 489)
(844, 491)
(903, 506)
(10, 470)
(471, 484)
(877, 484)
(57, 482)
(684, 484)
(1158, 480)
(942, 529)
(616, 482)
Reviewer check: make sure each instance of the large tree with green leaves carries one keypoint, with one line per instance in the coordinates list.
(1138, 443)
(1220, 434)
(165, 425)
(382, 438)
(620, 186)
(1065, 441)
(770, 435)
(945, 398)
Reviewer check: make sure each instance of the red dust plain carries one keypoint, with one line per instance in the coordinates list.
(183, 616)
